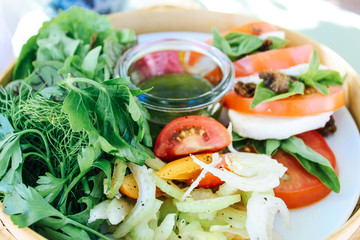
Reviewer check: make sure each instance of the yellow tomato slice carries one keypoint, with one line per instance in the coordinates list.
(184, 168)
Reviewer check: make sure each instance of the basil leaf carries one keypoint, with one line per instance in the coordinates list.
(312, 161)
(277, 42)
(235, 45)
(268, 146)
(263, 94)
(328, 77)
(320, 78)
(314, 64)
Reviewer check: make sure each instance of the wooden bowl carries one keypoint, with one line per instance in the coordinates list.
(174, 19)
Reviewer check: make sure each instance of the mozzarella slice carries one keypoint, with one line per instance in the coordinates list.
(264, 127)
(278, 34)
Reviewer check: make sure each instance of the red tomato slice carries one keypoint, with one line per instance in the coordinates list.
(272, 60)
(299, 188)
(158, 63)
(254, 28)
(190, 134)
(294, 106)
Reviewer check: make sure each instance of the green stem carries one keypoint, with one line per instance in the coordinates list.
(86, 228)
(25, 155)
(86, 186)
(47, 159)
(71, 185)
(70, 81)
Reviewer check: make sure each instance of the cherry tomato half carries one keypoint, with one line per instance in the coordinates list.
(190, 135)
(299, 188)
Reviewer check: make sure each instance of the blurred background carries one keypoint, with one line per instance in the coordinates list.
(335, 23)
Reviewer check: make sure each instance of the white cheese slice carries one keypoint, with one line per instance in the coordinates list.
(264, 127)
(278, 34)
(296, 70)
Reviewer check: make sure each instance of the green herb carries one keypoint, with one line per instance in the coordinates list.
(314, 77)
(68, 126)
(264, 94)
(27, 207)
(118, 116)
(320, 78)
(76, 32)
(312, 161)
(236, 45)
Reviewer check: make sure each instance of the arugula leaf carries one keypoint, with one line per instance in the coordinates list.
(312, 161)
(264, 94)
(117, 114)
(235, 45)
(78, 104)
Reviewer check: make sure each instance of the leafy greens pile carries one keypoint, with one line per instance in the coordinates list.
(67, 125)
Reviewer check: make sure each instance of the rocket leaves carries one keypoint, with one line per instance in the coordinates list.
(119, 118)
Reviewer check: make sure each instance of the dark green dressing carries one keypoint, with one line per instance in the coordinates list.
(177, 85)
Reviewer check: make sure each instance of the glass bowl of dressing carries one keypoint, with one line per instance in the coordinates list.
(183, 77)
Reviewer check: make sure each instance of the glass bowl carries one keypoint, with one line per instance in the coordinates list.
(185, 77)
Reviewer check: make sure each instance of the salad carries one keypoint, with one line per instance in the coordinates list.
(72, 136)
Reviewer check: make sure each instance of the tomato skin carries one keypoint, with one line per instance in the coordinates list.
(301, 188)
(253, 28)
(272, 60)
(190, 135)
(294, 106)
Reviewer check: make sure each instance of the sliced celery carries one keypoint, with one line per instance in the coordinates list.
(154, 163)
(167, 186)
(164, 230)
(146, 202)
(207, 205)
(117, 178)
